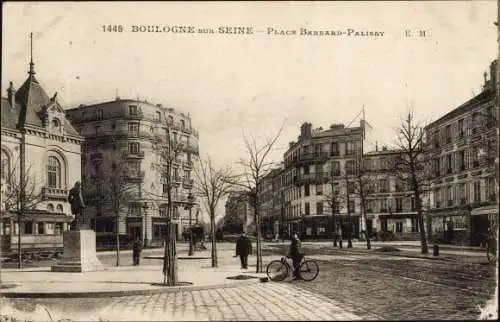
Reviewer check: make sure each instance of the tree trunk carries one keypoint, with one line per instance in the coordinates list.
(349, 232)
(258, 263)
(214, 241)
(334, 232)
(19, 254)
(169, 259)
(117, 233)
(423, 240)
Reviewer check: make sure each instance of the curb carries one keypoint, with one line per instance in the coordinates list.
(402, 255)
(165, 289)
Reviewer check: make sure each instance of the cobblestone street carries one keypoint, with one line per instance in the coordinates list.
(266, 301)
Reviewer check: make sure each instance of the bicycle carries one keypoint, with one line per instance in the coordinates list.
(278, 270)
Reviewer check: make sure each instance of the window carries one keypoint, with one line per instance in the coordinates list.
(306, 190)
(319, 208)
(336, 168)
(58, 229)
(447, 134)
(97, 129)
(460, 128)
(183, 125)
(350, 207)
(133, 148)
(413, 203)
(449, 164)
(133, 127)
(158, 116)
(437, 198)
(477, 191)
(60, 208)
(437, 167)
(28, 227)
(384, 185)
(461, 160)
(335, 149)
(462, 193)
(491, 189)
(132, 109)
(49, 228)
(307, 208)
(350, 148)
(134, 210)
(383, 205)
(414, 225)
(436, 138)
(133, 166)
(53, 173)
(350, 187)
(5, 170)
(55, 124)
(399, 226)
(99, 114)
(170, 120)
(321, 231)
(336, 208)
(449, 196)
(113, 126)
(399, 204)
(319, 189)
(50, 207)
(350, 167)
(165, 188)
(306, 169)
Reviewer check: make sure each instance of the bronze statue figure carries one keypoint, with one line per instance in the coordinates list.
(76, 200)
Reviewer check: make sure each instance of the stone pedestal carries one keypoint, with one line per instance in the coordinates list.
(79, 252)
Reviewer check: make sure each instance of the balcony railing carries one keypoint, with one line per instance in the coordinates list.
(135, 176)
(187, 183)
(138, 154)
(54, 193)
(308, 158)
(318, 177)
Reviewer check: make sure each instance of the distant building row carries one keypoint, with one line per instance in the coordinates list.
(460, 200)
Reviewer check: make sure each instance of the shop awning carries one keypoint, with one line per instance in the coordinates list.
(486, 210)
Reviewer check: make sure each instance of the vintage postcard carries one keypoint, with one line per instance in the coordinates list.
(249, 160)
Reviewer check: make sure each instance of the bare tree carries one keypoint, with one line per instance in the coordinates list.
(254, 169)
(167, 149)
(113, 188)
(363, 184)
(212, 184)
(12, 196)
(412, 163)
(333, 199)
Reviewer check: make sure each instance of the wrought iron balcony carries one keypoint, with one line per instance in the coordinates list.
(187, 183)
(132, 155)
(54, 193)
(311, 158)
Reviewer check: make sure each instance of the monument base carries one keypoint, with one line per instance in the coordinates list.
(79, 252)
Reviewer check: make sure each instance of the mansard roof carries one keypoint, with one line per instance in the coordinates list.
(28, 103)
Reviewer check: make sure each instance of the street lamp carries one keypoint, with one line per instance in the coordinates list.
(145, 208)
(190, 205)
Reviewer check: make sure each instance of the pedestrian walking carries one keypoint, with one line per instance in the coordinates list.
(243, 249)
(136, 251)
(296, 254)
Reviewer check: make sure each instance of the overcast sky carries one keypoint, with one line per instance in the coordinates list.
(230, 83)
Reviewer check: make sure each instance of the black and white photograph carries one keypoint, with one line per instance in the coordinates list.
(249, 161)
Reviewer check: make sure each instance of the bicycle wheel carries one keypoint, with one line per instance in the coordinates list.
(309, 270)
(277, 271)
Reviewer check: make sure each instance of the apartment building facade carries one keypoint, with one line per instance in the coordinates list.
(462, 146)
(311, 164)
(272, 206)
(124, 131)
(51, 149)
(391, 203)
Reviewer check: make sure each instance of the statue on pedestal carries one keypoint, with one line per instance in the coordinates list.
(76, 200)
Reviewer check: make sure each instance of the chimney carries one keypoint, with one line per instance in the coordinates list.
(376, 146)
(11, 95)
(305, 131)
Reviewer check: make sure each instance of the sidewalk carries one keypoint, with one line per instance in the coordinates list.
(194, 274)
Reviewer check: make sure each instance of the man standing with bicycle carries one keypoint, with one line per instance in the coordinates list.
(296, 254)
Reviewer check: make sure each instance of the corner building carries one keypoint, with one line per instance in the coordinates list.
(463, 146)
(309, 163)
(128, 128)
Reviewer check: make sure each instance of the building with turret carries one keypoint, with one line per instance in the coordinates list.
(40, 150)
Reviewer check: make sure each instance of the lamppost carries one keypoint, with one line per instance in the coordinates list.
(145, 208)
(190, 205)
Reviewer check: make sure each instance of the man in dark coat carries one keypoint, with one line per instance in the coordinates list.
(136, 251)
(296, 254)
(243, 248)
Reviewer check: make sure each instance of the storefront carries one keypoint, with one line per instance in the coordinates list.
(483, 219)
